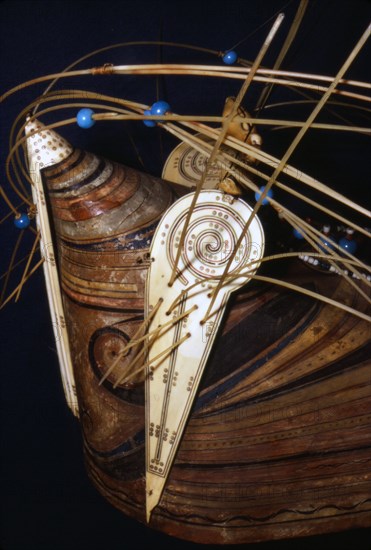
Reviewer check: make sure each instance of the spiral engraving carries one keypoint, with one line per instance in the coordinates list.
(186, 166)
(211, 240)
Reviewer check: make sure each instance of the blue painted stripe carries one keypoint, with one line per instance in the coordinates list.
(202, 401)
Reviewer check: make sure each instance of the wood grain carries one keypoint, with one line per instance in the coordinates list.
(278, 441)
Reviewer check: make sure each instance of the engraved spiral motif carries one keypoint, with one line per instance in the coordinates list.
(211, 239)
(185, 165)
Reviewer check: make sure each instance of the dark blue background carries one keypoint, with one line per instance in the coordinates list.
(47, 501)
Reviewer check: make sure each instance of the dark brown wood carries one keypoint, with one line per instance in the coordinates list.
(278, 444)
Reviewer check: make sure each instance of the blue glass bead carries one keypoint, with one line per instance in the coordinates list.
(230, 57)
(22, 221)
(265, 200)
(348, 245)
(298, 234)
(85, 118)
(149, 123)
(160, 108)
(325, 239)
(326, 244)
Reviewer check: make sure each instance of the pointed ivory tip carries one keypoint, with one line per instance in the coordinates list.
(150, 505)
(45, 147)
(152, 500)
(148, 515)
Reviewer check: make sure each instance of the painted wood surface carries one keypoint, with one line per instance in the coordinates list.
(277, 441)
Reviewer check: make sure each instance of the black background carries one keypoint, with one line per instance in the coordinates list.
(47, 500)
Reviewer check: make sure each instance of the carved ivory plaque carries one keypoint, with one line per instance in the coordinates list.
(180, 338)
